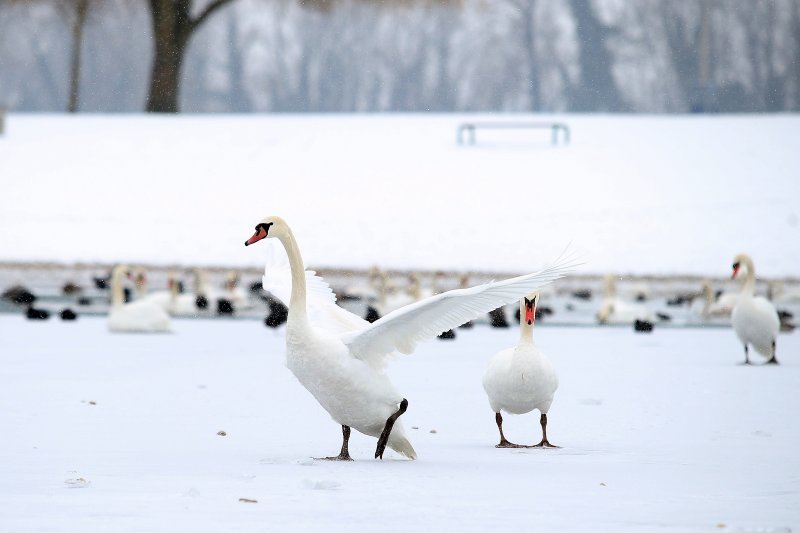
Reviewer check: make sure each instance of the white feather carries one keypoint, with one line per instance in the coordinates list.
(323, 311)
(402, 329)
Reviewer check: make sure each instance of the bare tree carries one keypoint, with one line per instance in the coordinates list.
(76, 12)
(596, 89)
(173, 26)
(81, 9)
(527, 20)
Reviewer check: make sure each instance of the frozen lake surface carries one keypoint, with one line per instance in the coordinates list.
(660, 432)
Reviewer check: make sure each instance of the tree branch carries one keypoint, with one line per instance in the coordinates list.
(213, 6)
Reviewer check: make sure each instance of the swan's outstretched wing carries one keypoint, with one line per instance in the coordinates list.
(323, 312)
(402, 329)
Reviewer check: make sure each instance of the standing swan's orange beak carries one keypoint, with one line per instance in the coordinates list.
(257, 236)
(530, 311)
(735, 270)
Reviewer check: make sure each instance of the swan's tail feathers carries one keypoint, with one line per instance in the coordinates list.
(401, 445)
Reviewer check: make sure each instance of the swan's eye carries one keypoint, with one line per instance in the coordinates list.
(264, 227)
(735, 266)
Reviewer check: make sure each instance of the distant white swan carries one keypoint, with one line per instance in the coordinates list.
(614, 310)
(712, 306)
(521, 379)
(234, 293)
(340, 362)
(171, 300)
(140, 316)
(754, 318)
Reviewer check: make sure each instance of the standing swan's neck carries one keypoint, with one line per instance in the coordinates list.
(173, 288)
(117, 298)
(749, 287)
(297, 303)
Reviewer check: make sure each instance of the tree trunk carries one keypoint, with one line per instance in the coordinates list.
(164, 79)
(795, 105)
(81, 9)
(528, 12)
(171, 32)
(596, 89)
(173, 25)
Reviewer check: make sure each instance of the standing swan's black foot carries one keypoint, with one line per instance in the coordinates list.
(773, 360)
(544, 442)
(504, 443)
(344, 455)
(746, 356)
(387, 429)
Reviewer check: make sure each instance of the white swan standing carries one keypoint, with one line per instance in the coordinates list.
(140, 316)
(234, 293)
(719, 305)
(171, 300)
(754, 318)
(615, 310)
(180, 303)
(521, 379)
(340, 358)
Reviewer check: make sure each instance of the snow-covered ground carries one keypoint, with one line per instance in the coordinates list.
(660, 432)
(659, 195)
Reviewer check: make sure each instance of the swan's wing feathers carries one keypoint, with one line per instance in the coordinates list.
(277, 280)
(402, 329)
(323, 311)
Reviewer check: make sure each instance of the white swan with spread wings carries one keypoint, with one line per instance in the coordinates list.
(339, 357)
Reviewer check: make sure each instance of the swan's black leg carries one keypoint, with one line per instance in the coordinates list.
(774, 360)
(544, 443)
(387, 429)
(746, 355)
(498, 418)
(344, 455)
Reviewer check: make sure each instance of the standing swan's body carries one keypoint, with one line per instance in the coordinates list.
(615, 310)
(140, 316)
(339, 357)
(521, 379)
(172, 300)
(754, 318)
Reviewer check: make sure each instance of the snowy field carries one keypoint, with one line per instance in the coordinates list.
(634, 194)
(660, 432)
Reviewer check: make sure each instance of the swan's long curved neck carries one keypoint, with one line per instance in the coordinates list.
(117, 297)
(609, 287)
(297, 302)
(173, 288)
(525, 329)
(749, 287)
(141, 284)
(708, 295)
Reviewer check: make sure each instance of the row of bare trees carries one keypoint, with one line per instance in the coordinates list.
(402, 55)
(174, 22)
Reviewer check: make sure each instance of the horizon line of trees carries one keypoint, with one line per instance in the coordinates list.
(424, 55)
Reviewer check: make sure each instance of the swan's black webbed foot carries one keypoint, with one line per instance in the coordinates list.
(506, 444)
(344, 455)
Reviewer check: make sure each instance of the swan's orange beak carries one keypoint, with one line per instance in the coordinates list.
(257, 236)
(530, 311)
(735, 271)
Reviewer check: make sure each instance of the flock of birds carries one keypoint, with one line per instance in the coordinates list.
(151, 312)
(339, 356)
